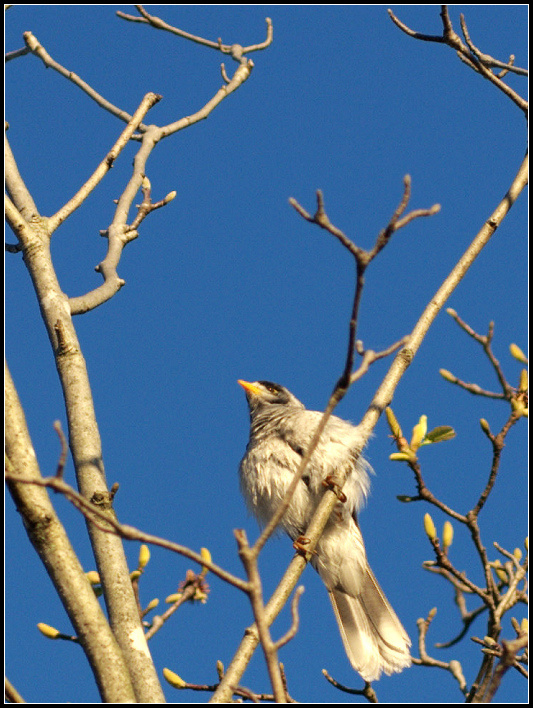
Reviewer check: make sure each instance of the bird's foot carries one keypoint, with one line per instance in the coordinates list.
(300, 547)
(331, 483)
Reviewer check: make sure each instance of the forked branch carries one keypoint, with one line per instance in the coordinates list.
(469, 54)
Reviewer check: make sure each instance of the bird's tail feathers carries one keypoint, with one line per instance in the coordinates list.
(373, 636)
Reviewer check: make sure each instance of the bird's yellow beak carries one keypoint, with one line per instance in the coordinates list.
(249, 387)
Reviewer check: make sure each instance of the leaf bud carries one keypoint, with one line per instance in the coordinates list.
(174, 679)
(518, 353)
(429, 527)
(48, 631)
(144, 556)
(447, 534)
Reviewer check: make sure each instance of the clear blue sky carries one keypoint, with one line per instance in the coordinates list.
(228, 282)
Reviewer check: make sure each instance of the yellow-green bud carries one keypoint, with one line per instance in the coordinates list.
(152, 604)
(171, 599)
(393, 423)
(429, 527)
(174, 679)
(524, 625)
(144, 556)
(526, 543)
(447, 375)
(451, 312)
(170, 196)
(524, 383)
(447, 534)
(419, 432)
(485, 427)
(519, 405)
(146, 183)
(93, 577)
(135, 574)
(48, 631)
(402, 457)
(206, 555)
(518, 353)
(500, 571)
(517, 553)
(432, 613)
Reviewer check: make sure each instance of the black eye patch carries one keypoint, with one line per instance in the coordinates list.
(272, 387)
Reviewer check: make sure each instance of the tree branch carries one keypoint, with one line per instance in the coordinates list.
(50, 540)
(234, 49)
(470, 54)
(107, 163)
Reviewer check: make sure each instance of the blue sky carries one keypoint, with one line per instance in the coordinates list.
(229, 282)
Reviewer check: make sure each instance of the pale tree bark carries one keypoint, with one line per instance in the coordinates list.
(117, 648)
(34, 232)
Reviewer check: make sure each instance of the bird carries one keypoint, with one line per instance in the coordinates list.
(281, 429)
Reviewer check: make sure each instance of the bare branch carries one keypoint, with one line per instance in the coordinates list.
(291, 632)
(239, 77)
(36, 48)
(368, 692)
(471, 387)
(64, 449)
(248, 557)
(508, 659)
(362, 259)
(119, 233)
(403, 359)
(110, 525)
(470, 54)
(454, 667)
(16, 53)
(11, 693)
(235, 50)
(16, 187)
(107, 163)
(486, 59)
(49, 538)
(485, 341)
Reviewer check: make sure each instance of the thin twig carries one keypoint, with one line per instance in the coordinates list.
(102, 520)
(291, 632)
(64, 449)
(248, 557)
(470, 54)
(107, 163)
(485, 340)
(368, 692)
(35, 47)
(453, 666)
(158, 23)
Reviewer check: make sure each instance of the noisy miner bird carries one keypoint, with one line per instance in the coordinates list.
(280, 431)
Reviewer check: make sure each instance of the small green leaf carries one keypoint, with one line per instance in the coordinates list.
(440, 434)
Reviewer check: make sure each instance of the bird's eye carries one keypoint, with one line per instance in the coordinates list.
(272, 387)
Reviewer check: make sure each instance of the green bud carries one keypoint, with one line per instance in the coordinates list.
(429, 527)
(174, 679)
(48, 631)
(518, 353)
(447, 534)
(144, 556)
(447, 375)
(419, 432)
(485, 427)
(393, 423)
